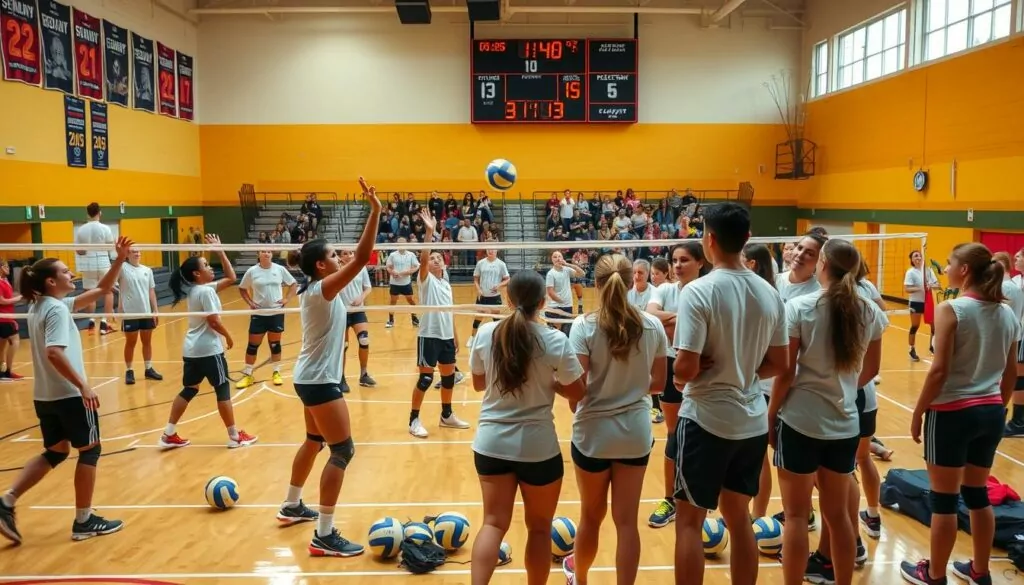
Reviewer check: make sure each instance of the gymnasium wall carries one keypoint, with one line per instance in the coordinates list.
(311, 103)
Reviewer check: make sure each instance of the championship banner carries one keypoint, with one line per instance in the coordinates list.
(115, 54)
(55, 28)
(98, 124)
(74, 130)
(19, 33)
(142, 73)
(88, 55)
(186, 85)
(165, 69)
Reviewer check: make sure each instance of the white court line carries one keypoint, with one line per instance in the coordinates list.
(368, 400)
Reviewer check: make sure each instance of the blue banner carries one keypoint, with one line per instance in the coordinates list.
(98, 123)
(74, 135)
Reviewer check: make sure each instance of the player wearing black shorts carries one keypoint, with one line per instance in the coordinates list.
(1013, 290)
(354, 295)
(265, 286)
(9, 336)
(489, 276)
(401, 265)
(138, 295)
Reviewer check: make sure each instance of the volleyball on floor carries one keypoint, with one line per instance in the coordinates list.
(714, 536)
(386, 537)
(451, 531)
(501, 174)
(563, 536)
(221, 492)
(418, 533)
(504, 554)
(768, 535)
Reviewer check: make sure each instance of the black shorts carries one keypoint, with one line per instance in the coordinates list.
(132, 325)
(69, 420)
(354, 319)
(594, 465)
(213, 368)
(431, 351)
(954, 438)
(868, 420)
(1020, 351)
(670, 394)
(495, 301)
(260, 324)
(707, 464)
(797, 453)
(531, 473)
(8, 330)
(398, 290)
(317, 394)
(917, 307)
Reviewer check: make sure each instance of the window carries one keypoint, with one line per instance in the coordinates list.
(819, 70)
(873, 50)
(951, 26)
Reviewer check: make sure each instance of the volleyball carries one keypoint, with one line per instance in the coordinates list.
(221, 492)
(504, 554)
(418, 532)
(385, 537)
(715, 536)
(451, 530)
(768, 534)
(501, 174)
(563, 536)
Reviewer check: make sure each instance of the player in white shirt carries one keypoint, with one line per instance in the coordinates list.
(401, 265)
(1015, 426)
(438, 341)
(65, 403)
(489, 276)
(639, 295)
(93, 264)
(354, 296)
(138, 295)
(623, 352)
(914, 286)
(520, 365)
(559, 285)
(261, 288)
(317, 377)
(203, 350)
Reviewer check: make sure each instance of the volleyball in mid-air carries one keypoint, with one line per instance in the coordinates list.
(221, 492)
(501, 174)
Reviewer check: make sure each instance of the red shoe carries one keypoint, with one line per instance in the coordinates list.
(13, 376)
(244, 439)
(173, 441)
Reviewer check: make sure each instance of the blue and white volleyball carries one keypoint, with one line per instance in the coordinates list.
(386, 537)
(501, 174)
(504, 554)
(221, 492)
(451, 531)
(418, 533)
(563, 537)
(768, 535)
(714, 536)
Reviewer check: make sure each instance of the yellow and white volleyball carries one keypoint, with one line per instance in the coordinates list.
(504, 554)
(768, 535)
(385, 537)
(451, 531)
(501, 174)
(221, 492)
(563, 536)
(714, 536)
(418, 532)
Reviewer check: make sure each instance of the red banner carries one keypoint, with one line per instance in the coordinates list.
(165, 80)
(186, 92)
(19, 32)
(88, 55)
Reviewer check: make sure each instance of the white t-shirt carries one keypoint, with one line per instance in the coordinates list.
(520, 426)
(323, 337)
(640, 299)
(490, 274)
(264, 284)
(50, 325)
(200, 339)
(559, 279)
(355, 289)
(867, 291)
(94, 232)
(981, 344)
(468, 234)
(915, 277)
(1014, 298)
(666, 296)
(135, 282)
(613, 421)
(402, 261)
(790, 290)
(822, 402)
(733, 317)
(436, 292)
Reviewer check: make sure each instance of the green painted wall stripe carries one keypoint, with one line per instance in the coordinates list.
(16, 214)
(983, 220)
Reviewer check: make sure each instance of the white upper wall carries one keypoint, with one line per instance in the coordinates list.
(168, 24)
(352, 69)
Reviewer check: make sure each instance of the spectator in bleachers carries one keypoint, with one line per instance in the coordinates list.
(483, 209)
(565, 210)
(311, 208)
(640, 220)
(436, 206)
(468, 208)
(552, 203)
(623, 226)
(553, 218)
(664, 216)
(412, 207)
(468, 234)
(451, 207)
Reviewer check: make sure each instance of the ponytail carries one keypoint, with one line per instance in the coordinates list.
(991, 284)
(620, 322)
(763, 261)
(305, 259)
(183, 277)
(845, 306)
(33, 278)
(986, 272)
(514, 345)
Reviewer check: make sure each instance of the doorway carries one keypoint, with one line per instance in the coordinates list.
(169, 235)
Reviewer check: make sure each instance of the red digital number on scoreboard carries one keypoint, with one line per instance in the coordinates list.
(492, 46)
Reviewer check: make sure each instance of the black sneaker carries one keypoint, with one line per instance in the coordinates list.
(152, 374)
(366, 380)
(333, 545)
(94, 526)
(7, 525)
(819, 570)
(913, 355)
(965, 570)
(415, 321)
(344, 386)
(917, 573)
(862, 553)
(872, 525)
(1014, 429)
(129, 377)
(295, 514)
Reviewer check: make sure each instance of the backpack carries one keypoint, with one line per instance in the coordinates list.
(421, 558)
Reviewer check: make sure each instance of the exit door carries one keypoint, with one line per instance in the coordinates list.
(169, 235)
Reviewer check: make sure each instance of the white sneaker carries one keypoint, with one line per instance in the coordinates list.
(878, 379)
(469, 342)
(454, 422)
(417, 429)
(459, 377)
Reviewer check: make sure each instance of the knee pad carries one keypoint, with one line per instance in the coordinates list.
(975, 498)
(90, 456)
(188, 393)
(342, 453)
(275, 347)
(316, 439)
(364, 339)
(1019, 385)
(425, 381)
(54, 458)
(913, 329)
(252, 349)
(223, 392)
(448, 382)
(945, 503)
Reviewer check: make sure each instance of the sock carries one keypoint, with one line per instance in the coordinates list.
(580, 306)
(872, 512)
(128, 366)
(169, 429)
(247, 370)
(325, 523)
(233, 433)
(446, 410)
(149, 364)
(391, 317)
(277, 368)
(1018, 413)
(82, 514)
(9, 499)
(294, 495)
(362, 372)
(413, 415)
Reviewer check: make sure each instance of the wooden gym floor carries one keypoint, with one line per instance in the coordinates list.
(172, 536)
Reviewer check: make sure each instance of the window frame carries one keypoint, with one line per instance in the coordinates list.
(861, 56)
(969, 20)
(820, 78)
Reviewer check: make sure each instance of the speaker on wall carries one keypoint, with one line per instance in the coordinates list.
(484, 10)
(413, 11)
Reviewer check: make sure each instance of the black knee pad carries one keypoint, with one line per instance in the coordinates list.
(54, 458)
(223, 392)
(275, 347)
(1019, 385)
(252, 349)
(364, 339)
(90, 456)
(448, 382)
(342, 453)
(945, 503)
(425, 381)
(913, 329)
(316, 439)
(975, 498)
(188, 393)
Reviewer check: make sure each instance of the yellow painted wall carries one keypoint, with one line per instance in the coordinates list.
(453, 157)
(144, 231)
(60, 232)
(16, 233)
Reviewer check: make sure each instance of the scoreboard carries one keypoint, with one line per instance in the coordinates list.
(554, 81)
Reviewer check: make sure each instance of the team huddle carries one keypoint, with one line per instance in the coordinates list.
(748, 368)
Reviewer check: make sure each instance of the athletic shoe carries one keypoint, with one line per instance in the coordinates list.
(459, 377)
(415, 321)
(1014, 429)
(298, 513)
(344, 386)
(662, 515)
(8, 527)
(862, 553)
(872, 524)
(452, 421)
(812, 520)
(277, 379)
(657, 416)
(819, 570)
(152, 374)
(913, 355)
(9, 375)
(389, 324)
(965, 570)
(569, 569)
(173, 441)
(244, 440)
(417, 429)
(917, 573)
(129, 377)
(94, 526)
(366, 380)
(333, 545)
(246, 381)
